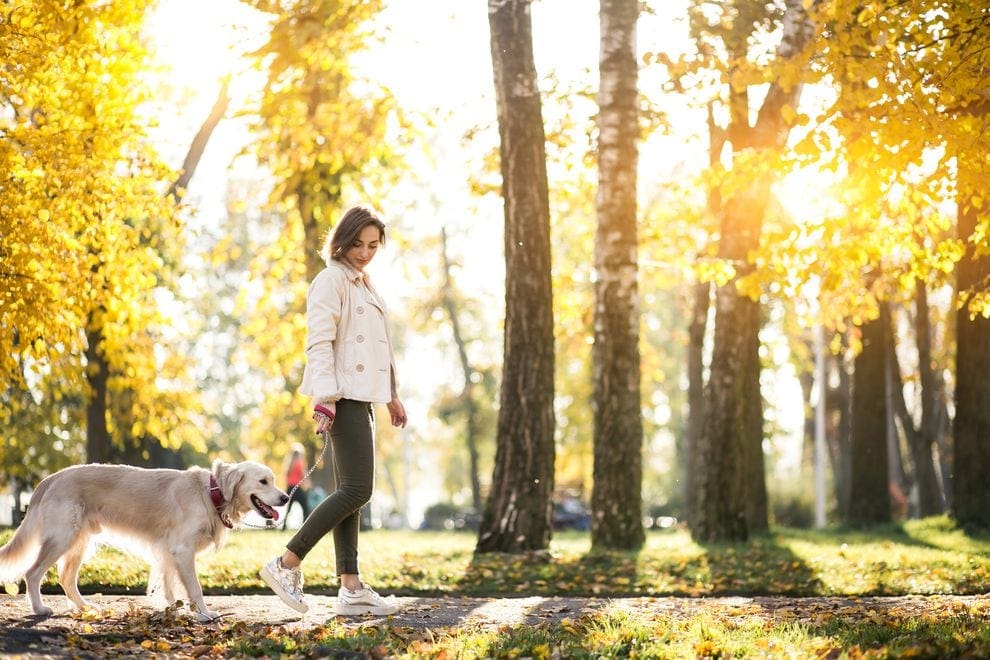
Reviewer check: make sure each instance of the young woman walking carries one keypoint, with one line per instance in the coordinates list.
(349, 367)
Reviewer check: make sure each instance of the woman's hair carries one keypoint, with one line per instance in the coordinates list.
(348, 229)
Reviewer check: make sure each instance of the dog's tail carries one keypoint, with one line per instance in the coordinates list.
(16, 557)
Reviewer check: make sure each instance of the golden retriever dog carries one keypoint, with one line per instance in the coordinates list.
(168, 516)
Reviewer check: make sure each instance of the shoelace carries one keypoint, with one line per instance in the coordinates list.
(297, 579)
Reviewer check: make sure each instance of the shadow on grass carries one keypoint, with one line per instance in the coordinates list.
(759, 566)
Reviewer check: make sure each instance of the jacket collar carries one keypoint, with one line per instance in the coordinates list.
(353, 274)
(357, 277)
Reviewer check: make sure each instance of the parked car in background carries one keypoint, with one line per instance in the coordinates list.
(570, 513)
(660, 516)
(446, 516)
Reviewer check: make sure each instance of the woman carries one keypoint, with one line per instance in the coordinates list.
(349, 367)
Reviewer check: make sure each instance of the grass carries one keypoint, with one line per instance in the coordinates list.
(929, 557)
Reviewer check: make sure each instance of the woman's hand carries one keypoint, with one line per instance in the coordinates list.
(324, 414)
(398, 412)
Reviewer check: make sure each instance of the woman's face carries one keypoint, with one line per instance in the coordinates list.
(364, 247)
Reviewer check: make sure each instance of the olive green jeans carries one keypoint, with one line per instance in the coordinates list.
(352, 443)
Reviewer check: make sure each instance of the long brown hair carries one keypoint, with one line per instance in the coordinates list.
(348, 229)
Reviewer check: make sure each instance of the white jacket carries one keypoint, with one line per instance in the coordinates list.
(348, 348)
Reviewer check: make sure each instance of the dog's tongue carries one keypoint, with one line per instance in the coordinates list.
(275, 514)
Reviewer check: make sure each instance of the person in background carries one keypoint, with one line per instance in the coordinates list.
(349, 368)
(295, 475)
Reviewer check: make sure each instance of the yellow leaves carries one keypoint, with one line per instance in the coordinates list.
(867, 15)
(791, 117)
(749, 286)
(714, 270)
(23, 173)
(978, 304)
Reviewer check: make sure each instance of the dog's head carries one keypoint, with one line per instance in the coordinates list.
(246, 486)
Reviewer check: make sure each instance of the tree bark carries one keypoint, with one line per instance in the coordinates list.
(919, 440)
(616, 498)
(971, 427)
(723, 482)
(898, 479)
(931, 499)
(98, 442)
(754, 467)
(518, 512)
(869, 501)
(696, 387)
(698, 327)
(839, 402)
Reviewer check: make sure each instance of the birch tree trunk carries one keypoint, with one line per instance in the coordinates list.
(616, 498)
(519, 508)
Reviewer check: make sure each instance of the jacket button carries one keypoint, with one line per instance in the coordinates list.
(359, 368)
(360, 310)
(360, 338)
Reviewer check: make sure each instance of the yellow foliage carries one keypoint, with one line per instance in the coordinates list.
(85, 220)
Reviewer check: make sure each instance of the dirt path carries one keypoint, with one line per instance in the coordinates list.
(37, 637)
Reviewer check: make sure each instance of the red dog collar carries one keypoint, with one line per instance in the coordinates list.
(217, 497)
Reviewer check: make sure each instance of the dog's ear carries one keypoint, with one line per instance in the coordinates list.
(228, 476)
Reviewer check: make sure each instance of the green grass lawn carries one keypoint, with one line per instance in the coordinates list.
(919, 557)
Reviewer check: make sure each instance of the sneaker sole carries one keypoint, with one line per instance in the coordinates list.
(352, 610)
(276, 586)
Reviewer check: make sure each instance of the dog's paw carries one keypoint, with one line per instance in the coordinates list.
(43, 610)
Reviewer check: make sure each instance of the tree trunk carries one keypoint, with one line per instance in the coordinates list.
(720, 512)
(616, 497)
(696, 388)
(697, 330)
(806, 376)
(839, 402)
(519, 509)
(931, 500)
(198, 146)
(919, 440)
(971, 427)
(98, 443)
(869, 500)
(468, 404)
(726, 450)
(899, 482)
(754, 470)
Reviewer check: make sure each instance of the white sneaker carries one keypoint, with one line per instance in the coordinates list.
(363, 601)
(286, 582)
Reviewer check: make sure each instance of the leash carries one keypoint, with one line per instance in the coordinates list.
(316, 464)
